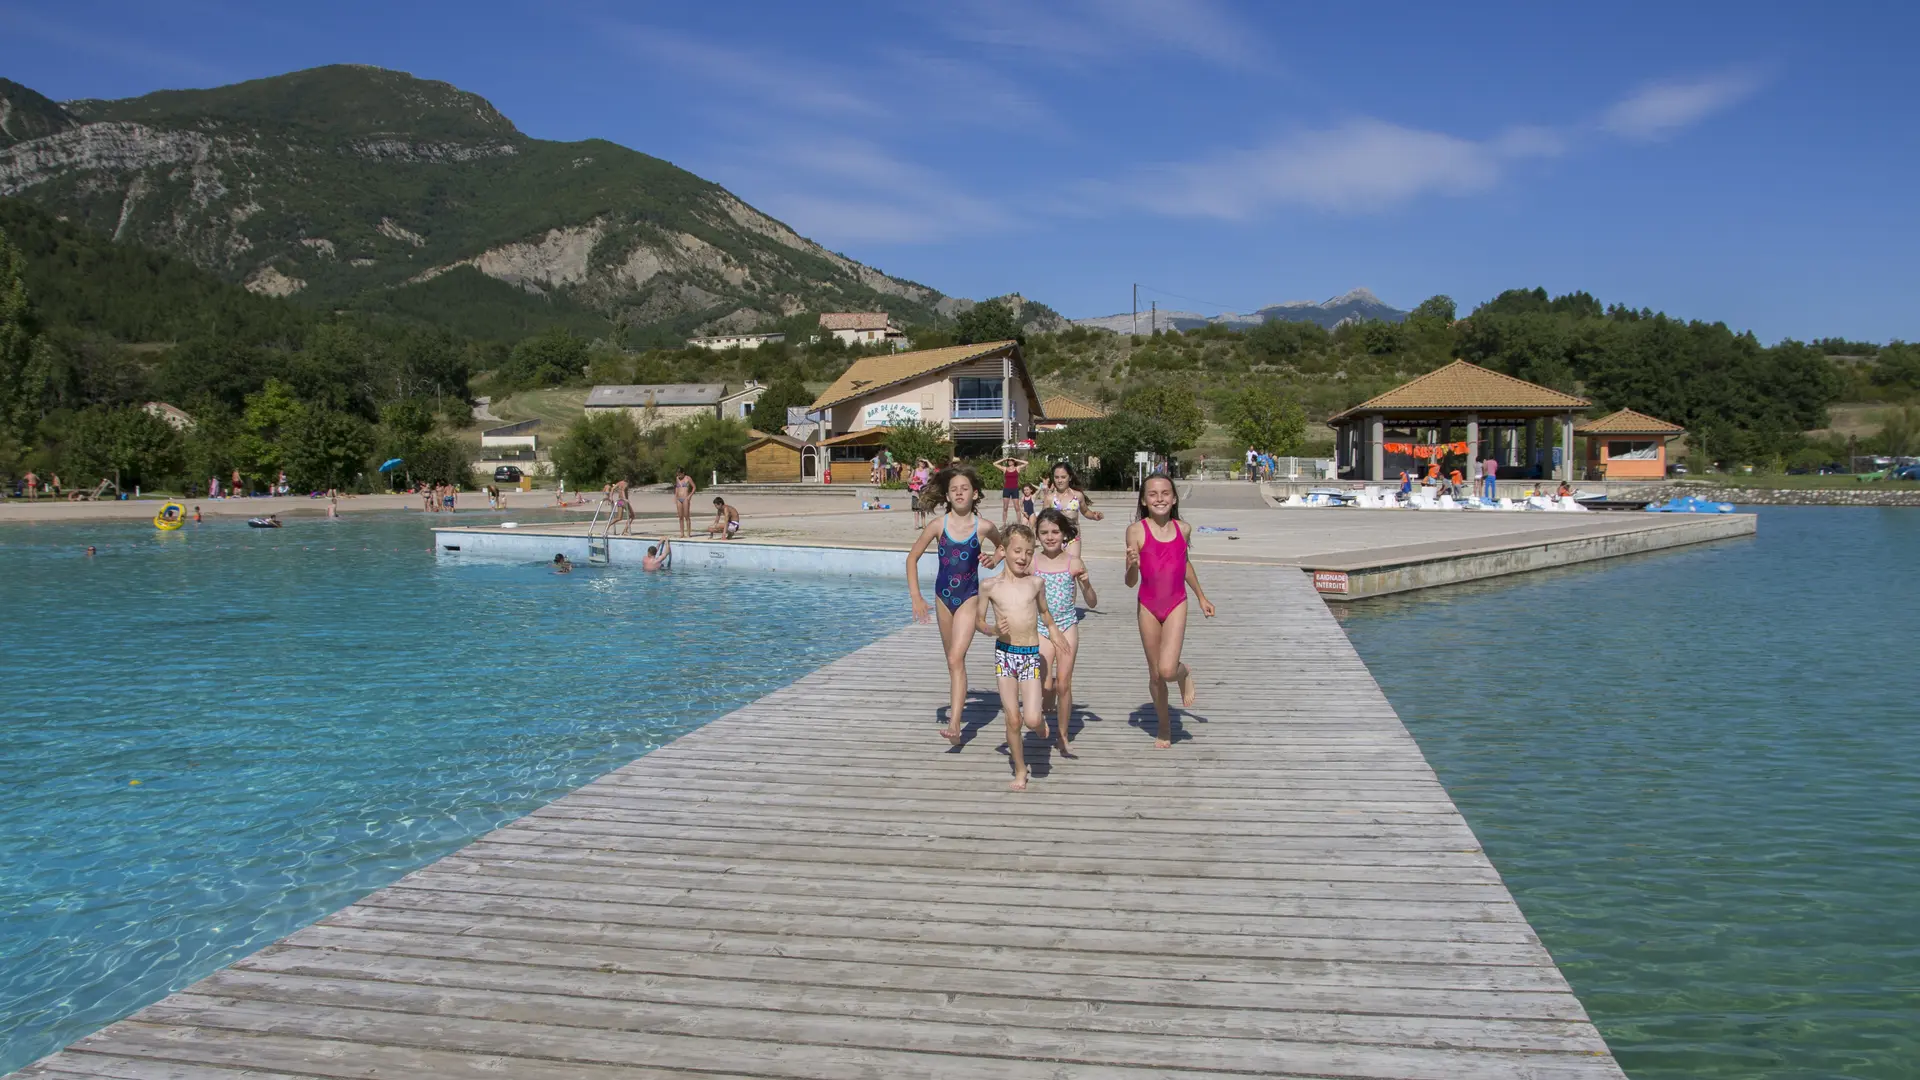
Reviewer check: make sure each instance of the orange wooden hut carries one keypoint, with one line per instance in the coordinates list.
(1627, 445)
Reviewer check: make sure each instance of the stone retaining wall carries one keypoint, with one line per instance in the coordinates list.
(1864, 495)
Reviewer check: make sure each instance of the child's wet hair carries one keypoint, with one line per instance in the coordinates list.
(1140, 506)
(934, 495)
(1021, 532)
(1068, 531)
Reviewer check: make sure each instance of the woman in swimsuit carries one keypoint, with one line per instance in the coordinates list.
(1063, 493)
(1060, 572)
(1157, 561)
(1010, 467)
(958, 587)
(683, 490)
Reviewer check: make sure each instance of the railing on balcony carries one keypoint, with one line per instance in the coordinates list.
(976, 408)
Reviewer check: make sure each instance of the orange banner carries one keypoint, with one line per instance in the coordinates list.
(1422, 450)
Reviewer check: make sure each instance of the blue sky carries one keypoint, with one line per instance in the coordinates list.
(1754, 163)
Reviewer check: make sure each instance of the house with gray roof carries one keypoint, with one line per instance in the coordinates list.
(654, 404)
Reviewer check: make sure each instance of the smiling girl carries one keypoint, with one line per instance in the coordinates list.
(1157, 548)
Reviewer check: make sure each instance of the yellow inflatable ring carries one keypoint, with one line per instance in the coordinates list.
(170, 517)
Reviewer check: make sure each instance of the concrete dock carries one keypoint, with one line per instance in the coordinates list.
(816, 886)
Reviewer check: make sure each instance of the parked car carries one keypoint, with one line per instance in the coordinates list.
(1907, 472)
(507, 474)
(1676, 469)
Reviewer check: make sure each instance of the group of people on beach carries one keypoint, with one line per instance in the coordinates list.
(1030, 606)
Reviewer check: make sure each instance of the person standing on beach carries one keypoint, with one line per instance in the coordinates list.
(1009, 467)
(1017, 600)
(1158, 562)
(916, 484)
(957, 493)
(1489, 471)
(683, 489)
(237, 488)
(33, 486)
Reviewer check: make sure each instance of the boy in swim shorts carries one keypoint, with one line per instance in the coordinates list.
(1017, 600)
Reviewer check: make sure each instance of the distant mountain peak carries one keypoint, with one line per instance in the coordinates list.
(1355, 305)
(27, 114)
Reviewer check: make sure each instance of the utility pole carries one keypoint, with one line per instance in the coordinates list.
(1136, 309)
(1156, 317)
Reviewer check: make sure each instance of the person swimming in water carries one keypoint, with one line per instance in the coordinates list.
(562, 564)
(659, 556)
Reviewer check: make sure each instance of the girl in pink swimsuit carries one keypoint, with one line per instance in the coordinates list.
(1157, 562)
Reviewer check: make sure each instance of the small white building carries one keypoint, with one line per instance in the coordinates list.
(175, 418)
(518, 436)
(863, 327)
(735, 341)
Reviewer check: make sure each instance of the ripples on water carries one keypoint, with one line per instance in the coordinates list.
(1699, 773)
(310, 714)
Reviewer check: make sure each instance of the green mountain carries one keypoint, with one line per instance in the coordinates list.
(358, 187)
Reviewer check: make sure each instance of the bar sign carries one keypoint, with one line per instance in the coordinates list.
(1334, 581)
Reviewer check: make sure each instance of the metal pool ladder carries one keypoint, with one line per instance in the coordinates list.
(599, 547)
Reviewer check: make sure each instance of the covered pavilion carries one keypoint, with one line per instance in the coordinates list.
(1458, 415)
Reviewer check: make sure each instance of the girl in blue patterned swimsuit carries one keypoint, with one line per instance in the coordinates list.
(958, 532)
(1062, 573)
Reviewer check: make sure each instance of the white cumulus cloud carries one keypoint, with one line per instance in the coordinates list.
(1660, 109)
(1363, 166)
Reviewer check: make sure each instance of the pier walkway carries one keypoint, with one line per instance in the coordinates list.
(814, 886)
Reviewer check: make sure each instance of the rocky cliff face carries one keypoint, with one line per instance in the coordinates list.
(341, 184)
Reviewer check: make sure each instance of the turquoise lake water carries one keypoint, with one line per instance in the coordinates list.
(313, 712)
(1699, 773)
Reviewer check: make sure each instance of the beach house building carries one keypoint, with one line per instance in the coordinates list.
(1627, 445)
(981, 393)
(779, 459)
(1458, 415)
(863, 327)
(654, 404)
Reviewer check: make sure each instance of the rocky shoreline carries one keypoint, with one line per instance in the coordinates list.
(1864, 495)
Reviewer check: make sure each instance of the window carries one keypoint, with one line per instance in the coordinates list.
(1620, 450)
(976, 399)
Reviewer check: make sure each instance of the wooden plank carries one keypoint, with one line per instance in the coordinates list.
(817, 886)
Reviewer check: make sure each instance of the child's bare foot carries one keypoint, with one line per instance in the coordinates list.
(1186, 687)
(1163, 744)
(1019, 782)
(952, 736)
(1065, 749)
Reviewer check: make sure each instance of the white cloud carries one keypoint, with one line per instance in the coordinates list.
(1660, 109)
(1360, 167)
(849, 190)
(1105, 29)
(769, 80)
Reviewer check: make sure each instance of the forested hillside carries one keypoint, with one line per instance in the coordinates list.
(356, 187)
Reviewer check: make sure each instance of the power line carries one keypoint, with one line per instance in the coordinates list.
(1196, 300)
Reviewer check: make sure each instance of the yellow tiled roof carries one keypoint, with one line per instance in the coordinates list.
(1062, 407)
(1461, 386)
(1628, 422)
(872, 373)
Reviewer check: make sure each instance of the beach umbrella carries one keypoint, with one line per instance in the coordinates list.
(392, 463)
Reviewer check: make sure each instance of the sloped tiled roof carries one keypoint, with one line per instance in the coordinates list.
(1062, 407)
(1464, 387)
(640, 396)
(853, 320)
(873, 373)
(1628, 422)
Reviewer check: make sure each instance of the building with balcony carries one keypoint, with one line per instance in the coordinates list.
(981, 393)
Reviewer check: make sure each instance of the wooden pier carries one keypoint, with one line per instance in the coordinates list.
(814, 886)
